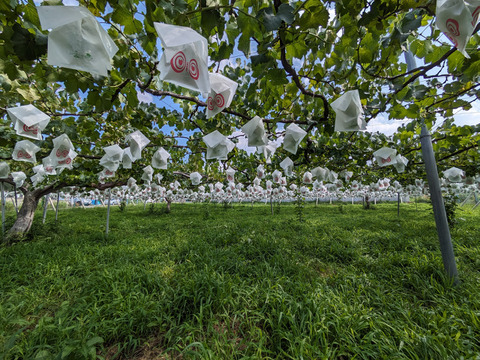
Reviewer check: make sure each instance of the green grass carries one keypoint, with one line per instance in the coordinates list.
(208, 282)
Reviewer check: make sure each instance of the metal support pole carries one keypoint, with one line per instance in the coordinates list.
(108, 213)
(45, 204)
(16, 202)
(398, 204)
(3, 209)
(439, 213)
(56, 209)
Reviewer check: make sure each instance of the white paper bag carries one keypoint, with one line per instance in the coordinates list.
(25, 150)
(160, 159)
(221, 94)
(349, 112)
(287, 166)
(400, 163)
(137, 142)
(28, 121)
(63, 153)
(230, 174)
(184, 61)
(106, 173)
(49, 165)
(255, 132)
(195, 178)
(159, 178)
(18, 178)
(127, 158)
(293, 136)
(113, 156)
(307, 178)
(267, 151)
(77, 40)
(385, 156)
(147, 174)
(4, 170)
(456, 21)
(276, 176)
(320, 173)
(454, 175)
(218, 146)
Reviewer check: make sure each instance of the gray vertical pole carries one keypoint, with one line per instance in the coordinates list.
(108, 213)
(16, 203)
(3, 208)
(45, 204)
(439, 213)
(398, 204)
(56, 210)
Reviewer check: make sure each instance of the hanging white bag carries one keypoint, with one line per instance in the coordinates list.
(293, 136)
(63, 153)
(456, 21)
(349, 112)
(111, 159)
(267, 151)
(4, 170)
(25, 150)
(28, 121)
(454, 175)
(184, 61)
(49, 165)
(400, 163)
(230, 174)
(218, 145)
(77, 40)
(195, 178)
(18, 178)
(385, 156)
(127, 158)
(222, 90)
(137, 142)
(147, 174)
(255, 132)
(287, 166)
(160, 159)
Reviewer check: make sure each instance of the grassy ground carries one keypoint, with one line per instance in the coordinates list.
(208, 282)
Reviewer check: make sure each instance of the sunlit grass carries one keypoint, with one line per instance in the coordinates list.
(211, 282)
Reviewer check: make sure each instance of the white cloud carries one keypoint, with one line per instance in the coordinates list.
(384, 125)
(144, 97)
(470, 117)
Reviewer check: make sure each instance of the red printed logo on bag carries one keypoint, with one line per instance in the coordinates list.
(179, 64)
(23, 154)
(475, 14)
(218, 101)
(30, 129)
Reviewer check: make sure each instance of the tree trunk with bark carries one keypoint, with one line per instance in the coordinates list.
(25, 217)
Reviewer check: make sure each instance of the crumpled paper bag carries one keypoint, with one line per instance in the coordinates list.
(184, 61)
(28, 121)
(221, 94)
(77, 40)
(349, 112)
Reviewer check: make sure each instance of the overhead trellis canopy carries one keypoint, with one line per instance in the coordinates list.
(183, 86)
